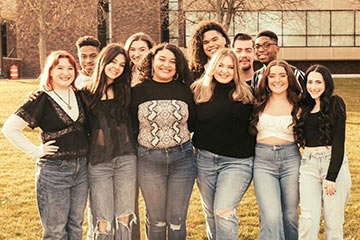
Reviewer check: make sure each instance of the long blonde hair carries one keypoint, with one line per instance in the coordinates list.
(203, 88)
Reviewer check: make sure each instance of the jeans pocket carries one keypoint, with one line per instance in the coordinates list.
(44, 163)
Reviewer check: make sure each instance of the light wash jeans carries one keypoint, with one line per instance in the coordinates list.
(61, 192)
(222, 182)
(276, 182)
(166, 178)
(313, 170)
(112, 195)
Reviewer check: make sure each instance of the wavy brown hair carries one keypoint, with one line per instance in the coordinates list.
(182, 71)
(140, 36)
(263, 94)
(196, 52)
(120, 85)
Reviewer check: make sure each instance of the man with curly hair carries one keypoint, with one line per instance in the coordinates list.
(207, 38)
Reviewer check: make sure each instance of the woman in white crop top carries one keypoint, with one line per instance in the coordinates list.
(277, 158)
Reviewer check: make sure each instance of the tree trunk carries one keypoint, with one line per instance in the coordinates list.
(43, 34)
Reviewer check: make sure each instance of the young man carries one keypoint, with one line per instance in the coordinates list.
(243, 46)
(266, 50)
(88, 49)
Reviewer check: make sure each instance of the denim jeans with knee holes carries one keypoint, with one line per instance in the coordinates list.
(166, 178)
(313, 171)
(276, 182)
(61, 192)
(112, 195)
(222, 182)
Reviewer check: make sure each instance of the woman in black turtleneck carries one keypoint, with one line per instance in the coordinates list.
(224, 147)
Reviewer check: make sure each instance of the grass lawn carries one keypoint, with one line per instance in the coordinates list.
(18, 211)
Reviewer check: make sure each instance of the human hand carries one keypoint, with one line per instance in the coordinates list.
(31, 96)
(329, 187)
(48, 148)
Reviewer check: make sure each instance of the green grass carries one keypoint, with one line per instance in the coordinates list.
(19, 217)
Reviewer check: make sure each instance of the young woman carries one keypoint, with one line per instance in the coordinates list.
(163, 116)
(112, 159)
(208, 37)
(277, 158)
(224, 148)
(61, 167)
(324, 172)
(136, 46)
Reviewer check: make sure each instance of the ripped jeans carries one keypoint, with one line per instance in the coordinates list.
(112, 196)
(166, 178)
(222, 182)
(313, 170)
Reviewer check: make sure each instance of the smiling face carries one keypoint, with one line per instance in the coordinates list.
(212, 41)
(62, 75)
(315, 85)
(244, 51)
(137, 51)
(115, 68)
(266, 49)
(278, 80)
(87, 59)
(224, 72)
(164, 65)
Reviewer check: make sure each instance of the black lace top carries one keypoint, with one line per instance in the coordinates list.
(70, 135)
(108, 137)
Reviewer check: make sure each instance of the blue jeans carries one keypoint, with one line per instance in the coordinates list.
(276, 182)
(112, 195)
(313, 170)
(166, 178)
(61, 191)
(222, 182)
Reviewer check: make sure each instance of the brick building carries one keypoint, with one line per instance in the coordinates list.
(20, 36)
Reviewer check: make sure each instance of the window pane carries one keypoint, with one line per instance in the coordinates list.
(246, 22)
(294, 41)
(318, 22)
(357, 39)
(318, 41)
(342, 22)
(294, 23)
(357, 22)
(342, 41)
(270, 20)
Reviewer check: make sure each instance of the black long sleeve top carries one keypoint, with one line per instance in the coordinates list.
(337, 135)
(222, 125)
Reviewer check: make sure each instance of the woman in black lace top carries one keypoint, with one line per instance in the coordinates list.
(324, 172)
(112, 167)
(61, 167)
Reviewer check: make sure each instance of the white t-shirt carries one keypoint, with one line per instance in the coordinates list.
(81, 81)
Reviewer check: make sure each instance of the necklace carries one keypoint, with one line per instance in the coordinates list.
(67, 104)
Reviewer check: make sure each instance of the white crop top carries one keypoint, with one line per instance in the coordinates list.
(275, 126)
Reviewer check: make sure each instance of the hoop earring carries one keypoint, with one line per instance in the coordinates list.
(176, 76)
(268, 89)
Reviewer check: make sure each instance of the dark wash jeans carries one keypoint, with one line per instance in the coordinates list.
(166, 178)
(61, 191)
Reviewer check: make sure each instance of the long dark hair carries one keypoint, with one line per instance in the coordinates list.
(120, 85)
(182, 70)
(330, 107)
(196, 52)
(263, 94)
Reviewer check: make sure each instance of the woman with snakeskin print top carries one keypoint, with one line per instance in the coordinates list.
(163, 116)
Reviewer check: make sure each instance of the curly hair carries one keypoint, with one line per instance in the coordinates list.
(196, 52)
(204, 87)
(331, 106)
(120, 85)
(263, 94)
(182, 70)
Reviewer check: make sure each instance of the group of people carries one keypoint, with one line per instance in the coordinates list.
(125, 120)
